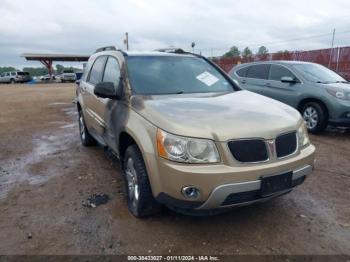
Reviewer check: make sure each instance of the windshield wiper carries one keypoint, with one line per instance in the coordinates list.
(344, 82)
(322, 82)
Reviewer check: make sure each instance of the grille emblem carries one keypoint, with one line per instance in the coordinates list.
(272, 148)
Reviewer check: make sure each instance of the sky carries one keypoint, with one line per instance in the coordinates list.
(81, 26)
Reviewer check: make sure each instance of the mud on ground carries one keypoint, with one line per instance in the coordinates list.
(45, 174)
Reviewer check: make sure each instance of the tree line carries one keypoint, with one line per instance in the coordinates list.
(39, 71)
(234, 52)
(247, 53)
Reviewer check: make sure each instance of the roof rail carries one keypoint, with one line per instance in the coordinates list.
(171, 50)
(106, 48)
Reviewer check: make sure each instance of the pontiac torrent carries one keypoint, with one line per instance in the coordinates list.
(187, 136)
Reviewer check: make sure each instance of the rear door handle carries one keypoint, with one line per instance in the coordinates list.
(268, 84)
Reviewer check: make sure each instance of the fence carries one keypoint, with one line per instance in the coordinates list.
(337, 59)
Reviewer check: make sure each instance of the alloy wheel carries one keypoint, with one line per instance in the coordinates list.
(131, 178)
(310, 115)
(82, 127)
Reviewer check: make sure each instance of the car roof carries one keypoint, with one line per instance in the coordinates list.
(281, 62)
(156, 53)
(143, 53)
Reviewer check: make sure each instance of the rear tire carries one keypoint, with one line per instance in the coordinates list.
(85, 137)
(316, 117)
(141, 202)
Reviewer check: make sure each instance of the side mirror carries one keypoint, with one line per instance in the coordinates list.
(106, 90)
(288, 79)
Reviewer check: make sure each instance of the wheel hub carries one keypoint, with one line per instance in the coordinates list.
(82, 127)
(311, 117)
(131, 178)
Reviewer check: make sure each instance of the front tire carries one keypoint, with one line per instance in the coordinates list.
(141, 202)
(315, 116)
(85, 137)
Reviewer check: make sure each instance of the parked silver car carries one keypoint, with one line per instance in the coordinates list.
(15, 77)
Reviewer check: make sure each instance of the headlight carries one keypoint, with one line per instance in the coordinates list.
(303, 136)
(185, 149)
(338, 93)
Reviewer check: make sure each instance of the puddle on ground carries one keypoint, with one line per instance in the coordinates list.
(72, 125)
(16, 170)
(70, 111)
(58, 104)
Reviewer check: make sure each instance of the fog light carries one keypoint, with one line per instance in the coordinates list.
(190, 192)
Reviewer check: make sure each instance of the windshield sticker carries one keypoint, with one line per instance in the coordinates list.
(207, 78)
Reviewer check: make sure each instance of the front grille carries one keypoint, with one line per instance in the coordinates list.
(249, 150)
(286, 144)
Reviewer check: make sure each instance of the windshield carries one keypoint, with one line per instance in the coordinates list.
(318, 73)
(155, 75)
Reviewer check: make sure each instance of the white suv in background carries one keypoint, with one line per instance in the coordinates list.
(15, 77)
(68, 75)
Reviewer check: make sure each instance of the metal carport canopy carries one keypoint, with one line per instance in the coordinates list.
(47, 59)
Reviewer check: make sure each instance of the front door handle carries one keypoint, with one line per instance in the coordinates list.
(268, 84)
(243, 81)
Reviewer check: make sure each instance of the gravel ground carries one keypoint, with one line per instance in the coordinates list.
(45, 174)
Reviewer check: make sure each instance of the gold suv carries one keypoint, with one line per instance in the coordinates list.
(187, 136)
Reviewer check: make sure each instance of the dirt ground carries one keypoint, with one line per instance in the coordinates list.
(45, 174)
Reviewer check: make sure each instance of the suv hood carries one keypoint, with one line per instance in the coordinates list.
(221, 117)
(343, 86)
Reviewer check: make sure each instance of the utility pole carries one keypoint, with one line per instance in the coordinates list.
(126, 41)
(193, 44)
(331, 53)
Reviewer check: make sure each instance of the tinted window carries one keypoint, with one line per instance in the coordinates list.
(7, 74)
(243, 71)
(258, 71)
(112, 72)
(97, 70)
(174, 75)
(13, 73)
(277, 72)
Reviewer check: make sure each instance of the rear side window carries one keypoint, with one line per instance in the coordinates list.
(112, 72)
(13, 73)
(242, 72)
(277, 72)
(258, 71)
(96, 71)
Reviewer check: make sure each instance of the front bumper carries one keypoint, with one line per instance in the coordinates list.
(338, 113)
(247, 192)
(236, 185)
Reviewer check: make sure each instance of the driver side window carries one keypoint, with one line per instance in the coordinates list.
(96, 72)
(277, 72)
(112, 72)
